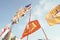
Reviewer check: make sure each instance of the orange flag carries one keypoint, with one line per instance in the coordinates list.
(53, 16)
(31, 27)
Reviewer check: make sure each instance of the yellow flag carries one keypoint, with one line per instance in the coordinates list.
(53, 16)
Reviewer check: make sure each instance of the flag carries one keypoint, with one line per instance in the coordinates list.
(28, 5)
(53, 16)
(4, 31)
(31, 27)
(8, 36)
(21, 12)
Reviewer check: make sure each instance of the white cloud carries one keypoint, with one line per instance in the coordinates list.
(47, 4)
(55, 38)
(37, 11)
(42, 2)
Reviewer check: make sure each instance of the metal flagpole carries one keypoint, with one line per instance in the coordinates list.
(44, 33)
(29, 25)
(9, 30)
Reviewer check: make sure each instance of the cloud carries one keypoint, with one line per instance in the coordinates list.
(37, 11)
(42, 2)
(42, 8)
(55, 38)
(47, 4)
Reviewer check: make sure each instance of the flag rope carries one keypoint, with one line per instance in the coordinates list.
(44, 33)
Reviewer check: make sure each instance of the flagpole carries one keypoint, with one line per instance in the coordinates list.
(27, 37)
(29, 25)
(10, 30)
(44, 33)
(11, 26)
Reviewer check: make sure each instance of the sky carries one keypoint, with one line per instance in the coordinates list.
(40, 8)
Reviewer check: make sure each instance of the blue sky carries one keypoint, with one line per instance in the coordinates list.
(40, 8)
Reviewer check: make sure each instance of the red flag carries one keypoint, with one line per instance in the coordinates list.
(4, 32)
(31, 27)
